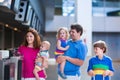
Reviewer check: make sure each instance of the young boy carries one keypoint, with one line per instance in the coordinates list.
(42, 59)
(100, 66)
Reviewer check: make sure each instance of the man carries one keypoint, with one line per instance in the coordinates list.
(75, 55)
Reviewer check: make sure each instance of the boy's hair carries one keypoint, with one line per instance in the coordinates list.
(47, 43)
(66, 30)
(101, 44)
(77, 27)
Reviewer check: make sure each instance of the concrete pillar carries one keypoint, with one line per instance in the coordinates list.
(83, 16)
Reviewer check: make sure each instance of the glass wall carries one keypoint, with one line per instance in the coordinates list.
(65, 7)
(106, 7)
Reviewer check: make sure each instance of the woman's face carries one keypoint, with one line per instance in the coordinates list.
(30, 38)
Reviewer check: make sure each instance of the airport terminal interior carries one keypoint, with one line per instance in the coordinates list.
(99, 18)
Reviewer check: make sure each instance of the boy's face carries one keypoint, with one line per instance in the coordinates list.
(43, 47)
(98, 51)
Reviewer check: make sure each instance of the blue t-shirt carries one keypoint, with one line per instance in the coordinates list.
(77, 49)
(104, 64)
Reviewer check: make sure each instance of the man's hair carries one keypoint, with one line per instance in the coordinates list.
(77, 27)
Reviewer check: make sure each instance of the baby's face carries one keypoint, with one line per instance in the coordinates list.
(43, 47)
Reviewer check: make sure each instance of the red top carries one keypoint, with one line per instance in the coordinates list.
(28, 63)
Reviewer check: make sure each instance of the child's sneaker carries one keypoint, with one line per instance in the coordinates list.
(62, 75)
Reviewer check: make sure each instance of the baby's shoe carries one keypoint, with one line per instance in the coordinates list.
(62, 75)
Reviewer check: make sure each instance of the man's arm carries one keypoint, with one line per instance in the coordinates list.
(75, 61)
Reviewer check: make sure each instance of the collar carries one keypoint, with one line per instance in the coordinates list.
(102, 58)
(77, 41)
(44, 51)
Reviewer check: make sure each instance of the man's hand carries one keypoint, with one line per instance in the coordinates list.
(60, 59)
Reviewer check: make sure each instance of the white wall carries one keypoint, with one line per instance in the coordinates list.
(84, 18)
(106, 24)
(59, 21)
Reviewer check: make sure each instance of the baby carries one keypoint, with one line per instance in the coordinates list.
(41, 61)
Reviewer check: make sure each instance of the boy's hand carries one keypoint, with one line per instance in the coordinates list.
(106, 73)
(91, 73)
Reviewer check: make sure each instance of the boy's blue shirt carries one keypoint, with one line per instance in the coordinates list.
(105, 61)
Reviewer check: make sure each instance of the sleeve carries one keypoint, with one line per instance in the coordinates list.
(111, 65)
(82, 52)
(89, 65)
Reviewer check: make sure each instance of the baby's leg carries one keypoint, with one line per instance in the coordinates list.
(62, 65)
(35, 71)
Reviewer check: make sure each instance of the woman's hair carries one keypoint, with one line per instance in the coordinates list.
(37, 40)
(65, 29)
(101, 44)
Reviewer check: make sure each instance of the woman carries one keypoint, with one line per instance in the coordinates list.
(28, 50)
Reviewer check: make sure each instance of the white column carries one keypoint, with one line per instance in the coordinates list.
(84, 18)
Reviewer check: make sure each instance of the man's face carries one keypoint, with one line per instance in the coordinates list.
(74, 34)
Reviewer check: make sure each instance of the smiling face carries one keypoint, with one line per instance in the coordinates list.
(74, 34)
(98, 51)
(30, 38)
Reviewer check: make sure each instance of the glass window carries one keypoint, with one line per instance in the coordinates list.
(106, 7)
(68, 7)
(65, 7)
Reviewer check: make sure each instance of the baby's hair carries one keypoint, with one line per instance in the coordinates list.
(47, 43)
(58, 32)
(101, 44)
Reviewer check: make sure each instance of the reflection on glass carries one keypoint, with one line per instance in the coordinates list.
(68, 7)
(105, 7)
(6, 3)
